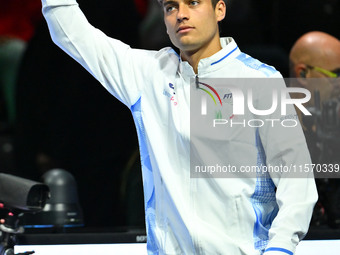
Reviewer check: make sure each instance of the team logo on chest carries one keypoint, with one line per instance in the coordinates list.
(171, 94)
(220, 102)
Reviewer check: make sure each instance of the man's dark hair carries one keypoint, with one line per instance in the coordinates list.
(214, 2)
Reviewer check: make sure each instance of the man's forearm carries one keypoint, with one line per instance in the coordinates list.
(109, 60)
(67, 25)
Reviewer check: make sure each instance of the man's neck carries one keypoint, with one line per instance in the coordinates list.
(194, 57)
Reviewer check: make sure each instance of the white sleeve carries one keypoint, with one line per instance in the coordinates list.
(296, 192)
(120, 69)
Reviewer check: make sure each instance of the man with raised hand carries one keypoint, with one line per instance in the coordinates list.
(187, 215)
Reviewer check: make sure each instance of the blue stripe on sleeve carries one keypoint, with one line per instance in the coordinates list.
(256, 64)
(279, 249)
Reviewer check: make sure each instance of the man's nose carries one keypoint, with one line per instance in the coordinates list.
(183, 12)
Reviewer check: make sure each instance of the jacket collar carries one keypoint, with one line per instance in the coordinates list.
(229, 51)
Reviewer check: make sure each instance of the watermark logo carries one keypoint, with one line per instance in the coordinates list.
(239, 100)
(255, 100)
(264, 138)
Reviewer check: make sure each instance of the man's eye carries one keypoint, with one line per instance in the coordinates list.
(169, 8)
(194, 2)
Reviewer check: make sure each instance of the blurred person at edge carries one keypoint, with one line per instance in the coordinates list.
(18, 19)
(316, 55)
(315, 65)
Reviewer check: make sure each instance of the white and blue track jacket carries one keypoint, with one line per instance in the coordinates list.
(184, 215)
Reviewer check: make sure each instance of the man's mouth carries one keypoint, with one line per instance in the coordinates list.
(184, 29)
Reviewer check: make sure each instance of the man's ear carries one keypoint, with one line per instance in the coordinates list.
(220, 10)
(301, 73)
(300, 70)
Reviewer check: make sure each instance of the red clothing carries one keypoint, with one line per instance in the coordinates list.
(19, 17)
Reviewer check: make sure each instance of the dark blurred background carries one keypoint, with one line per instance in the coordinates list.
(53, 114)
